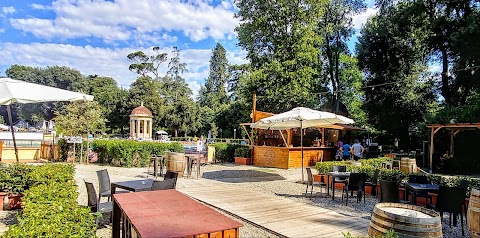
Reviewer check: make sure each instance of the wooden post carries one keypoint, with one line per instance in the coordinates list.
(283, 137)
(431, 148)
(323, 136)
(81, 153)
(254, 107)
(301, 143)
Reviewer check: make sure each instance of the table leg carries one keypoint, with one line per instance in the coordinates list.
(198, 167)
(155, 168)
(113, 188)
(333, 188)
(116, 217)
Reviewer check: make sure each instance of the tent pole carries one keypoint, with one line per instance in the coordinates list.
(9, 111)
(301, 143)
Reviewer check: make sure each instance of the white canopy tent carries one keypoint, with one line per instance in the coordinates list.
(302, 118)
(16, 91)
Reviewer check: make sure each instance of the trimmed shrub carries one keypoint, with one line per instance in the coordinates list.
(50, 208)
(129, 153)
(243, 151)
(225, 152)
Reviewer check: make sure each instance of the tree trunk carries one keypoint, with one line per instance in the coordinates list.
(445, 88)
(88, 147)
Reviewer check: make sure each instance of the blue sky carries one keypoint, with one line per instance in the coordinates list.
(94, 36)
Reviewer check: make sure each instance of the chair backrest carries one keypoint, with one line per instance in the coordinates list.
(92, 196)
(309, 176)
(170, 175)
(164, 185)
(356, 182)
(339, 168)
(375, 176)
(450, 199)
(389, 191)
(103, 180)
(418, 179)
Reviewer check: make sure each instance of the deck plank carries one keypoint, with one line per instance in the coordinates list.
(284, 216)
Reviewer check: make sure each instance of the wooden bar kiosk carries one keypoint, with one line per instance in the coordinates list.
(281, 148)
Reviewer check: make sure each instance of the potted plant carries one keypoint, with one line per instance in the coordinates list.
(389, 185)
(15, 182)
(3, 194)
(243, 155)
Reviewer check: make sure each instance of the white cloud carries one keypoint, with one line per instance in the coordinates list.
(360, 19)
(40, 7)
(119, 19)
(8, 10)
(106, 62)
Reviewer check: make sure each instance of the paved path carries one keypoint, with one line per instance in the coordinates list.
(282, 216)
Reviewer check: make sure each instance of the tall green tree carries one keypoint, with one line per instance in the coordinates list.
(335, 26)
(392, 54)
(214, 92)
(143, 64)
(282, 45)
(112, 100)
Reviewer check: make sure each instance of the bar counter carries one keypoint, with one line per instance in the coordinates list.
(290, 157)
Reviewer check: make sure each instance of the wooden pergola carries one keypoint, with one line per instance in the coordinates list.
(454, 129)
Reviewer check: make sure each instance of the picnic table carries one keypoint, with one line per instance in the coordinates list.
(333, 175)
(417, 187)
(168, 213)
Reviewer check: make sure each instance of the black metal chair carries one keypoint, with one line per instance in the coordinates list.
(171, 175)
(374, 182)
(311, 183)
(94, 204)
(164, 185)
(420, 179)
(451, 200)
(355, 183)
(338, 168)
(389, 192)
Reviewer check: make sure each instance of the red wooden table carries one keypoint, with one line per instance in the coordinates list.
(168, 213)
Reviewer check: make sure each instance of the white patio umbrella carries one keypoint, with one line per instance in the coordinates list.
(300, 117)
(16, 91)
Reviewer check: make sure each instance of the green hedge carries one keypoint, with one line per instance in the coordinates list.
(225, 152)
(50, 208)
(129, 153)
(370, 165)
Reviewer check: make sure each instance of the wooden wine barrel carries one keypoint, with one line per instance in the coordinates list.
(473, 214)
(406, 220)
(408, 165)
(176, 163)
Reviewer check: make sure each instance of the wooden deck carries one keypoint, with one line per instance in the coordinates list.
(282, 216)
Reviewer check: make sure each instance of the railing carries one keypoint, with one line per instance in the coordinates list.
(22, 143)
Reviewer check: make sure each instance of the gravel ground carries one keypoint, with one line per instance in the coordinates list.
(279, 182)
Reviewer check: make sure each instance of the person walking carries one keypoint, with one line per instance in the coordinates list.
(346, 151)
(357, 150)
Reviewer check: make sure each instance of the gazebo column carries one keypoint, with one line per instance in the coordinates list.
(137, 135)
(144, 128)
(131, 127)
(150, 128)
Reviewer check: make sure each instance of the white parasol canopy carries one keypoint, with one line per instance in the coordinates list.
(16, 91)
(300, 117)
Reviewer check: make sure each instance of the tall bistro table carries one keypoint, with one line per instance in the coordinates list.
(168, 213)
(333, 175)
(416, 187)
(132, 186)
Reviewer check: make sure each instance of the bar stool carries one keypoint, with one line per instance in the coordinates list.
(157, 162)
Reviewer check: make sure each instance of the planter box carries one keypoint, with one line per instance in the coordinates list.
(15, 201)
(243, 161)
(2, 200)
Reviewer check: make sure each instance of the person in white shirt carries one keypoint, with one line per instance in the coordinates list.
(357, 150)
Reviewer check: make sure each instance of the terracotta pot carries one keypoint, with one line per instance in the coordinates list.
(15, 201)
(243, 161)
(2, 200)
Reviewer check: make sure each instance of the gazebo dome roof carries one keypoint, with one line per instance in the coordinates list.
(141, 111)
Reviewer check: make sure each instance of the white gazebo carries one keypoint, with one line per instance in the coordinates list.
(141, 120)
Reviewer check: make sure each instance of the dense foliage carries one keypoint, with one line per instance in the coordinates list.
(49, 205)
(243, 151)
(225, 152)
(130, 153)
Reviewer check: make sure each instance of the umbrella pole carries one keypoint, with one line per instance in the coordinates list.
(301, 144)
(9, 111)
